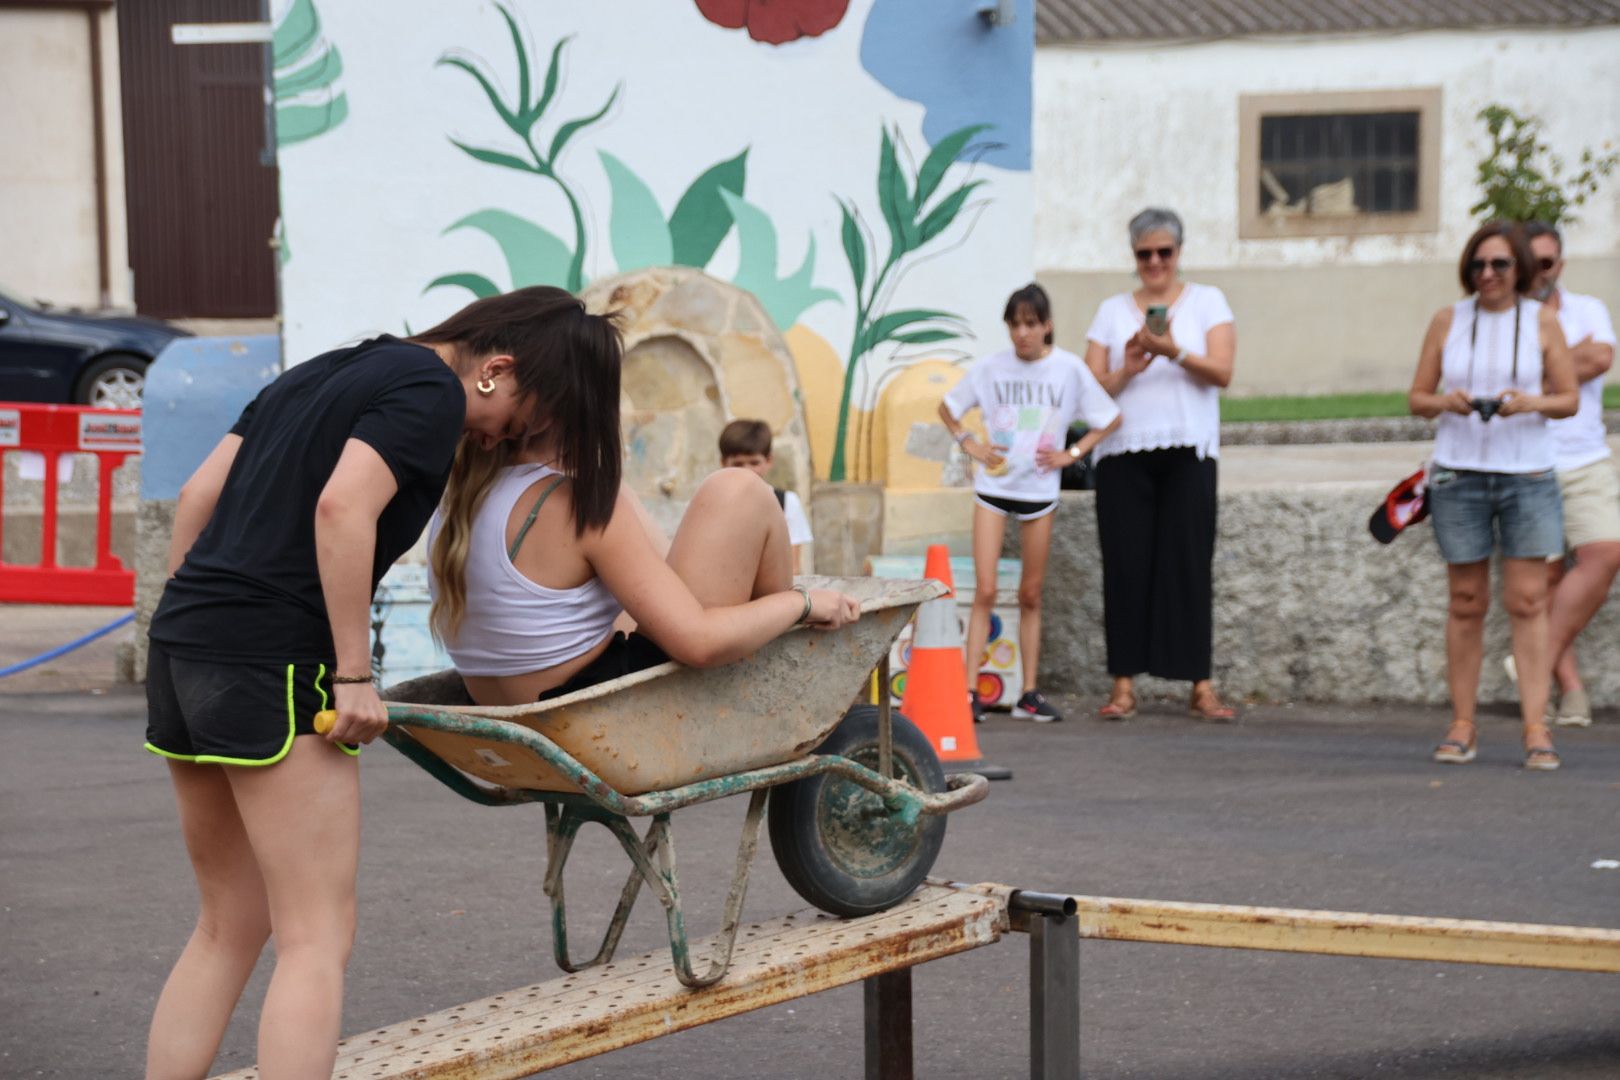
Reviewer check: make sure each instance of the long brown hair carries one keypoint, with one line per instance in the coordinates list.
(568, 361)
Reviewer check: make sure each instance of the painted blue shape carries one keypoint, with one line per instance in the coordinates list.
(944, 57)
(195, 390)
(409, 650)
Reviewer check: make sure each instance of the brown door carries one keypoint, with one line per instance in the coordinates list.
(202, 205)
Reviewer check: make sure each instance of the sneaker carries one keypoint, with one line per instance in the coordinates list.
(1574, 710)
(1034, 706)
(977, 707)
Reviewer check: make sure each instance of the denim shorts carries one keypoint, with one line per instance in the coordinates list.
(1478, 513)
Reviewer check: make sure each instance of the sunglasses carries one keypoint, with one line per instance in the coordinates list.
(1477, 267)
(1146, 254)
(1547, 264)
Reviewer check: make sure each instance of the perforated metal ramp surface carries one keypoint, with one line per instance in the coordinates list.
(523, 1031)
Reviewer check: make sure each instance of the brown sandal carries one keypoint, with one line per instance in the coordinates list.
(1122, 707)
(1208, 706)
(1540, 758)
(1455, 751)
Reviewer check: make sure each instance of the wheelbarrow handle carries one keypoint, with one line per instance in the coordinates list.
(325, 721)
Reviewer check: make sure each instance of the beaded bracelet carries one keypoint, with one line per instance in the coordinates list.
(340, 680)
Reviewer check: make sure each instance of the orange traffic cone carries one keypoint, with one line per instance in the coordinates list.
(936, 679)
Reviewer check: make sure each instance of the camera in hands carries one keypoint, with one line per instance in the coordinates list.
(1487, 407)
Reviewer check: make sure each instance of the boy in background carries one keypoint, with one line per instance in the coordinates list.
(746, 444)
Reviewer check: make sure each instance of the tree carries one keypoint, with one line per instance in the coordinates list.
(1522, 179)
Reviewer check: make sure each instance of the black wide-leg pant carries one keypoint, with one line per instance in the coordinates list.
(1156, 524)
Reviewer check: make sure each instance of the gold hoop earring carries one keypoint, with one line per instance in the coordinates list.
(486, 385)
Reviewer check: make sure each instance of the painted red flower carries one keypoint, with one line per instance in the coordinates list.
(775, 22)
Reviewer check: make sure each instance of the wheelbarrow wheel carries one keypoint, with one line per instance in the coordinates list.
(837, 843)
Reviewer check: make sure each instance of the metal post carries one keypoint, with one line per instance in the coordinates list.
(888, 1026)
(885, 706)
(1054, 997)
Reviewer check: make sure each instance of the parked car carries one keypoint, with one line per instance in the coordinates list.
(77, 357)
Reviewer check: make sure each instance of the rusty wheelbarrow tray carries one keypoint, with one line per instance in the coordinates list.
(652, 742)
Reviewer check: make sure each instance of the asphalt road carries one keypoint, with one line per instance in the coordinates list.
(1304, 807)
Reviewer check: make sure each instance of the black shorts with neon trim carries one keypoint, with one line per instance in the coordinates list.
(213, 713)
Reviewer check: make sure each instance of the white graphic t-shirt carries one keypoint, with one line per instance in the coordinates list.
(1028, 406)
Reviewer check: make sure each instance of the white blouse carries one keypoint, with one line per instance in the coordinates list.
(1482, 362)
(1165, 405)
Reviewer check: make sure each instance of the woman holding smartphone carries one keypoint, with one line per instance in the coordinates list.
(1494, 369)
(1164, 351)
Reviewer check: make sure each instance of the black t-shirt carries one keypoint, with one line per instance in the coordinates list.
(250, 588)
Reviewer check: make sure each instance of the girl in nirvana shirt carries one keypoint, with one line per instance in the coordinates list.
(1029, 395)
(279, 540)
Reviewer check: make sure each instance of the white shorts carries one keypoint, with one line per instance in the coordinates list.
(1591, 504)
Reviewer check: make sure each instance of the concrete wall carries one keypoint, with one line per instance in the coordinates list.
(1119, 128)
(47, 169)
(1308, 607)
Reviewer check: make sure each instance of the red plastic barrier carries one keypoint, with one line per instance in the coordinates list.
(113, 436)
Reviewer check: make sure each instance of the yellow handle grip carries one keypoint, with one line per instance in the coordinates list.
(325, 721)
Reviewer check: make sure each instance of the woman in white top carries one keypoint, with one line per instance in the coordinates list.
(1029, 395)
(1164, 351)
(1494, 369)
(533, 574)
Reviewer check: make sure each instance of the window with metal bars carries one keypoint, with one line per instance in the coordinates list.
(1337, 164)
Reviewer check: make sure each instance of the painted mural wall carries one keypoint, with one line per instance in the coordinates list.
(861, 166)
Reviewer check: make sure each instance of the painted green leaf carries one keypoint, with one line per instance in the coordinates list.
(784, 300)
(700, 219)
(925, 337)
(477, 284)
(534, 255)
(489, 88)
(522, 59)
(854, 247)
(296, 32)
(636, 227)
(892, 197)
(295, 123)
(549, 89)
(884, 328)
(942, 157)
(570, 129)
(940, 217)
(494, 157)
(319, 75)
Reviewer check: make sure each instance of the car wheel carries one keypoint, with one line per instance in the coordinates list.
(112, 382)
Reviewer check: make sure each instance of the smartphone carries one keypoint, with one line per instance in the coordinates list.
(1158, 319)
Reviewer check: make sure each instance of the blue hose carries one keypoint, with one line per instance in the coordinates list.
(45, 657)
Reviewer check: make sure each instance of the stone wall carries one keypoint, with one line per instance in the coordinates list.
(1308, 607)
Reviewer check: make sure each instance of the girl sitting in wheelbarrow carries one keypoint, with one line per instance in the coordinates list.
(531, 586)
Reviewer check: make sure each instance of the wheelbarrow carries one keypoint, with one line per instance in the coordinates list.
(857, 796)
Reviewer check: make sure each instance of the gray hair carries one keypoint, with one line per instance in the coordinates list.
(1153, 219)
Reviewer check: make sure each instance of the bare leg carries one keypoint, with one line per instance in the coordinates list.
(303, 818)
(989, 530)
(732, 545)
(1524, 594)
(1575, 599)
(1035, 544)
(232, 927)
(1469, 585)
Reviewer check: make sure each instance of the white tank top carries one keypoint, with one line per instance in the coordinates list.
(1481, 360)
(514, 626)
